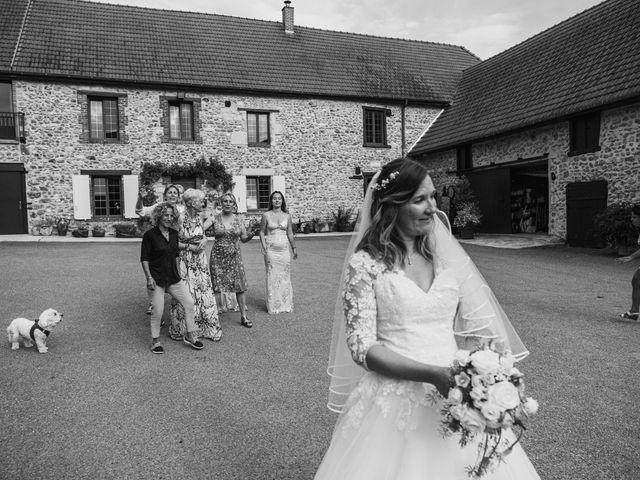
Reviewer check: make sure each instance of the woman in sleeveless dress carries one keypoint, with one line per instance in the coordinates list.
(394, 345)
(276, 236)
(225, 263)
(195, 271)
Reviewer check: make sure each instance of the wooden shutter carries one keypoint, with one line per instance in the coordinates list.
(130, 194)
(278, 183)
(240, 192)
(81, 197)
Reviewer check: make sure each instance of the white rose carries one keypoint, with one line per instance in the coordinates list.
(477, 381)
(504, 394)
(462, 357)
(455, 396)
(473, 421)
(485, 361)
(530, 406)
(458, 411)
(492, 413)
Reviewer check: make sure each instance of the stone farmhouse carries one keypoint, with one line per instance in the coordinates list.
(89, 92)
(548, 132)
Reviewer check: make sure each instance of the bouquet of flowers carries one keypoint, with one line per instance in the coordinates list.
(487, 398)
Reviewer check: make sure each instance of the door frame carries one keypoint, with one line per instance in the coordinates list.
(15, 167)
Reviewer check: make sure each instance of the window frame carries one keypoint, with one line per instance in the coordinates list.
(180, 104)
(257, 178)
(368, 117)
(257, 132)
(102, 99)
(584, 134)
(92, 197)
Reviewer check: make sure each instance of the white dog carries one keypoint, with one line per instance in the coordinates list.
(38, 331)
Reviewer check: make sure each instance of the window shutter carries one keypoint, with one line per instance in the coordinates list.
(278, 183)
(130, 185)
(81, 197)
(240, 192)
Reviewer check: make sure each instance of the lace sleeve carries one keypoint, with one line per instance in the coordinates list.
(360, 306)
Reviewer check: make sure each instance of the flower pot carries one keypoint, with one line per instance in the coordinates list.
(467, 233)
(97, 233)
(62, 230)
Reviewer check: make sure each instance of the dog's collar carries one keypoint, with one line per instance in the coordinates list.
(35, 327)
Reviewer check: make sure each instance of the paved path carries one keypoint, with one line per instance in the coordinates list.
(99, 405)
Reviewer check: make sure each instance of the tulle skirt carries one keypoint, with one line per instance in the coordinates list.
(390, 431)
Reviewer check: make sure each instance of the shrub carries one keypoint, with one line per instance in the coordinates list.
(467, 215)
(342, 219)
(613, 225)
(126, 229)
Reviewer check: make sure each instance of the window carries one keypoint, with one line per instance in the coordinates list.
(103, 119)
(258, 191)
(375, 127)
(258, 129)
(106, 197)
(181, 120)
(585, 134)
(464, 158)
(11, 123)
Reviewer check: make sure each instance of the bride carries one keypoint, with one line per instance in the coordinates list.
(411, 298)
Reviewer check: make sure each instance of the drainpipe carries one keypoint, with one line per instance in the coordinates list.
(402, 120)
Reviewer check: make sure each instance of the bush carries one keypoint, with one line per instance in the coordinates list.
(342, 219)
(468, 214)
(614, 226)
(126, 230)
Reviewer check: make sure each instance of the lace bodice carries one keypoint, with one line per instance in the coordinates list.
(275, 227)
(385, 307)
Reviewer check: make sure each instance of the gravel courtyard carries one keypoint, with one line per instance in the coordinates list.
(99, 405)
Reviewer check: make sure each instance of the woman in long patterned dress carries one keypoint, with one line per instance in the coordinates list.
(276, 236)
(225, 263)
(195, 272)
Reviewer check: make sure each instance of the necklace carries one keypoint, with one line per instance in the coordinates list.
(409, 257)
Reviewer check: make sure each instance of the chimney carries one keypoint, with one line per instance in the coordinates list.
(287, 17)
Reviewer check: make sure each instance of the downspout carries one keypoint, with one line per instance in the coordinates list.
(402, 122)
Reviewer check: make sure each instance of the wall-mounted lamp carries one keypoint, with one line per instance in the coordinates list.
(358, 171)
(553, 175)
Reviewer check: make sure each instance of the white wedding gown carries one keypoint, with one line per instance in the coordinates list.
(389, 429)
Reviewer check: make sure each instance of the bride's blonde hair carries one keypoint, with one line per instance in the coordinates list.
(398, 181)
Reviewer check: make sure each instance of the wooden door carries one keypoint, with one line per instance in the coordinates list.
(493, 190)
(584, 200)
(13, 205)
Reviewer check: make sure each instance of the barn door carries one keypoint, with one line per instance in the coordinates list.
(493, 190)
(584, 200)
(13, 201)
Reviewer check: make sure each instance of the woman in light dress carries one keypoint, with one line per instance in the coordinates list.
(225, 264)
(404, 306)
(276, 236)
(194, 270)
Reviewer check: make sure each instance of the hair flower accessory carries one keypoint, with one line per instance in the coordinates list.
(383, 184)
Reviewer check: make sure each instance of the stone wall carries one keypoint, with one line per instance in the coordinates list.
(617, 161)
(316, 143)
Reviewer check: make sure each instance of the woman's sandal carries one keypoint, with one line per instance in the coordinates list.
(245, 322)
(630, 315)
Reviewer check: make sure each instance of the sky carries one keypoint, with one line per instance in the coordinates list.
(484, 27)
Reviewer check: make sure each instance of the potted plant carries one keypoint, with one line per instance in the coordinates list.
(98, 231)
(468, 217)
(613, 226)
(82, 231)
(126, 230)
(342, 219)
(62, 226)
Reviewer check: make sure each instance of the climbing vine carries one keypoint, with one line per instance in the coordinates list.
(211, 171)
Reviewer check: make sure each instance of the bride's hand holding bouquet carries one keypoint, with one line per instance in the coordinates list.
(486, 399)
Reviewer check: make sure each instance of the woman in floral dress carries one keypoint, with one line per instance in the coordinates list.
(194, 271)
(227, 270)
